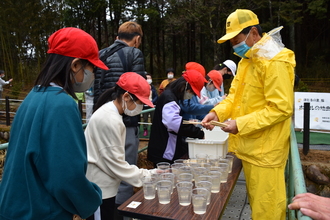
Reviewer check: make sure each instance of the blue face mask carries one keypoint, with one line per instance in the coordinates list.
(241, 48)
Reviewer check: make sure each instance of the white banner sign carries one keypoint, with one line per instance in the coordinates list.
(319, 110)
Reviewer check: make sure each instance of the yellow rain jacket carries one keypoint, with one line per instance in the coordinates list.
(261, 101)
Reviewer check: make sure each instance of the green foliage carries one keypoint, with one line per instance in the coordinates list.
(318, 8)
(175, 31)
(302, 87)
(16, 90)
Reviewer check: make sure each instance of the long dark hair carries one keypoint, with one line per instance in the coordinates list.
(57, 69)
(110, 95)
(178, 87)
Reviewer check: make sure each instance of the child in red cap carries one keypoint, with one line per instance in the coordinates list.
(192, 109)
(210, 94)
(105, 136)
(44, 176)
(168, 133)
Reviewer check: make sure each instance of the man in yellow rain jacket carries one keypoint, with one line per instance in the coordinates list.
(260, 105)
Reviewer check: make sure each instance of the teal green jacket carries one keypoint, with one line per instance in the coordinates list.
(44, 173)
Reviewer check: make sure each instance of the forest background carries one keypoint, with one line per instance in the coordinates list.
(175, 32)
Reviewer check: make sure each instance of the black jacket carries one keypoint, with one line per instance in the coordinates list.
(166, 117)
(105, 79)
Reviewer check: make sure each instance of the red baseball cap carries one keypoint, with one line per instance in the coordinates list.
(136, 85)
(216, 78)
(195, 66)
(195, 79)
(74, 42)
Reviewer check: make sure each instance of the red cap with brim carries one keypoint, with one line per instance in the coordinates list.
(216, 78)
(195, 79)
(136, 85)
(195, 66)
(74, 42)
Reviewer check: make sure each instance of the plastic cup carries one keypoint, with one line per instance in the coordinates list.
(185, 177)
(164, 189)
(207, 166)
(199, 171)
(175, 170)
(202, 157)
(177, 165)
(207, 185)
(231, 161)
(180, 161)
(224, 170)
(185, 169)
(149, 187)
(199, 200)
(213, 160)
(168, 176)
(194, 165)
(204, 178)
(184, 192)
(165, 166)
(216, 181)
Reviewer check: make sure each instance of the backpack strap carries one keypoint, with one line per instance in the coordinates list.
(123, 60)
(104, 57)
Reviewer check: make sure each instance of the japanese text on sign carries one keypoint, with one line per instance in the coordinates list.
(319, 109)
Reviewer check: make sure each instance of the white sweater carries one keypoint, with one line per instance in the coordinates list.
(105, 137)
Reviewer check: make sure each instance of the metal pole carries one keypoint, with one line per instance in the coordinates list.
(306, 128)
(7, 111)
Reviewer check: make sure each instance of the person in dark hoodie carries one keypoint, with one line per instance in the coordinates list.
(123, 56)
(168, 133)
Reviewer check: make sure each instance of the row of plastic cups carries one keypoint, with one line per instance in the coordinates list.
(150, 183)
(190, 164)
(196, 170)
(200, 197)
(214, 159)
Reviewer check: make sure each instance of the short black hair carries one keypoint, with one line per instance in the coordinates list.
(170, 70)
(2, 71)
(246, 30)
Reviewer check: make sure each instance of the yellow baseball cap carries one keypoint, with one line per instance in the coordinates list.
(237, 21)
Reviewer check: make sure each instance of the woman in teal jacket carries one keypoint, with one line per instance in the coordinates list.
(44, 175)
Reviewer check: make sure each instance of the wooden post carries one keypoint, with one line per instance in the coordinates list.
(306, 128)
(7, 111)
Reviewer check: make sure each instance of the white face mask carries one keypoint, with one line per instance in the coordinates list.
(3, 76)
(85, 84)
(170, 76)
(149, 81)
(137, 110)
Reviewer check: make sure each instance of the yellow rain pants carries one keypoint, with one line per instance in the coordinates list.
(266, 191)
